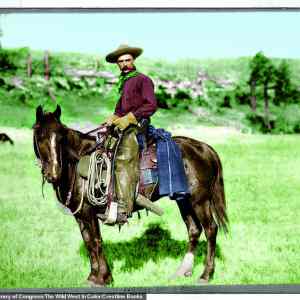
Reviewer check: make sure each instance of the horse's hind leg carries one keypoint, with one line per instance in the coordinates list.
(211, 230)
(194, 230)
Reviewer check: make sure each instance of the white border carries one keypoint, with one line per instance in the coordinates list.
(149, 4)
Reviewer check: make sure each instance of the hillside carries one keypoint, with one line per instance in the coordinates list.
(204, 91)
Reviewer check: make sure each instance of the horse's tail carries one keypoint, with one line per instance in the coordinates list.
(218, 198)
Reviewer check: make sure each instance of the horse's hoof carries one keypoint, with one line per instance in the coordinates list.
(94, 284)
(186, 267)
(92, 281)
(202, 281)
(180, 274)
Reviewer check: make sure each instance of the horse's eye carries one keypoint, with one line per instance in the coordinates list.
(35, 126)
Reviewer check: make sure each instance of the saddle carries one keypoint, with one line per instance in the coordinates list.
(148, 170)
(148, 174)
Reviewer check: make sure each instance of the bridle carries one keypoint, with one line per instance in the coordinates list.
(42, 163)
(56, 186)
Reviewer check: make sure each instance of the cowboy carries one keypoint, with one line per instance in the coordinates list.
(137, 103)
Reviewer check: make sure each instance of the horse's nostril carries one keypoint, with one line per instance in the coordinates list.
(51, 178)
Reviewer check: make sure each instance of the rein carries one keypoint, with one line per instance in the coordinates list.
(101, 129)
(40, 164)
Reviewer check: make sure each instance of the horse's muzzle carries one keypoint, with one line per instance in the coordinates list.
(52, 178)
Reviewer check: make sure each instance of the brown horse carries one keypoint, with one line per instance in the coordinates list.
(58, 148)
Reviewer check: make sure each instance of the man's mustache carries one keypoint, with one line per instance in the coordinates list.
(126, 68)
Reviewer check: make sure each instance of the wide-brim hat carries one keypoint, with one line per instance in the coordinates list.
(123, 49)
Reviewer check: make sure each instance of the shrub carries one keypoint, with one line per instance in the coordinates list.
(258, 121)
(13, 59)
(241, 94)
(288, 119)
(183, 94)
(162, 97)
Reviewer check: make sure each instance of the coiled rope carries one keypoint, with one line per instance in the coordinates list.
(97, 186)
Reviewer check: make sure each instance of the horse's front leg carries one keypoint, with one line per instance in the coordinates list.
(89, 227)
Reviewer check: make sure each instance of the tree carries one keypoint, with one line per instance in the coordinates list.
(257, 64)
(254, 78)
(262, 74)
(283, 85)
(268, 78)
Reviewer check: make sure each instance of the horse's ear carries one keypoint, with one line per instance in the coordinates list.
(57, 112)
(39, 113)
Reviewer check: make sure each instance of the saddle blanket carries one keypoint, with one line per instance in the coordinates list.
(171, 173)
(167, 169)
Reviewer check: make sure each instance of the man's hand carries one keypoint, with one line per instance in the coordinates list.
(123, 122)
(109, 120)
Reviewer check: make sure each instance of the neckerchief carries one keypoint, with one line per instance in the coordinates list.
(123, 77)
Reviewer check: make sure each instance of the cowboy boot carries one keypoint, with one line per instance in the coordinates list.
(126, 174)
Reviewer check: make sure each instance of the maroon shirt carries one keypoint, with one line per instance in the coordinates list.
(137, 97)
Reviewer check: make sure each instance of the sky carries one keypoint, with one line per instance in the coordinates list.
(166, 35)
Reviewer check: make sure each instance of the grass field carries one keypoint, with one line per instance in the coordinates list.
(41, 247)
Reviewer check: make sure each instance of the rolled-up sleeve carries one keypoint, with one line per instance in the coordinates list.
(149, 102)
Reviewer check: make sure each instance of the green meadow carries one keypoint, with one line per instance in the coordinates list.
(41, 247)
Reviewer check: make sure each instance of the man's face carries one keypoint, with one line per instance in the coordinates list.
(125, 63)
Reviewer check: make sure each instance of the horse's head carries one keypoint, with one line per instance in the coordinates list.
(48, 135)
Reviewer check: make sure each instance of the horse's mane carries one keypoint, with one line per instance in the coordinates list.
(77, 136)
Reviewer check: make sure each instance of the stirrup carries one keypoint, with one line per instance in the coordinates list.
(112, 213)
(146, 203)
